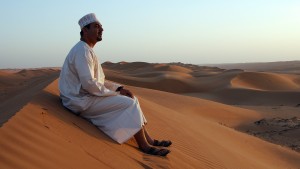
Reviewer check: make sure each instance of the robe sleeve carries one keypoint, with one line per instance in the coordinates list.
(84, 65)
(111, 85)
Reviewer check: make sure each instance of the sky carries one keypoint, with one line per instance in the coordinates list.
(41, 33)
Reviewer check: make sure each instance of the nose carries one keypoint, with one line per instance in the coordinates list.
(101, 28)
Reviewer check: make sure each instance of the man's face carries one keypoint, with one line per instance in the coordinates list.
(94, 34)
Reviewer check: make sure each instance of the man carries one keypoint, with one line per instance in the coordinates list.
(109, 106)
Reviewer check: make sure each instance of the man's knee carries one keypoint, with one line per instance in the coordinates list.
(128, 101)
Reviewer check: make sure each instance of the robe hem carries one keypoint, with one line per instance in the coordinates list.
(122, 142)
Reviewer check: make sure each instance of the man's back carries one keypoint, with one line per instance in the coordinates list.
(72, 94)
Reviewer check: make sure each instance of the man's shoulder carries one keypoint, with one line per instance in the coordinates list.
(80, 46)
(79, 49)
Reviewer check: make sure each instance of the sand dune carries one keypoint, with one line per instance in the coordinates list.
(283, 66)
(138, 66)
(266, 81)
(252, 90)
(234, 86)
(45, 135)
(149, 75)
(173, 68)
(17, 87)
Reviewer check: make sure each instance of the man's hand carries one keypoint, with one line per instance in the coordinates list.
(126, 92)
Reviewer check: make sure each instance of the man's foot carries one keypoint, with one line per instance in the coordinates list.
(163, 143)
(157, 151)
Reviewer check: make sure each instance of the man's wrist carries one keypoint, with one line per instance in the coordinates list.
(119, 88)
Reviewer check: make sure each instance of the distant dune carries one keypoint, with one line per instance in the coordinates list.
(206, 134)
(234, 86)
(266, 81)
(283, 66)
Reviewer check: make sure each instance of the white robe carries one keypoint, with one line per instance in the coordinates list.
(84, 90)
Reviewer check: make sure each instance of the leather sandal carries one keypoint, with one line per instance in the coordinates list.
(163, 143)
(157, 151)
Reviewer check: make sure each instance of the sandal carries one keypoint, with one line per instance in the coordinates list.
(157, 151)
(163, 143)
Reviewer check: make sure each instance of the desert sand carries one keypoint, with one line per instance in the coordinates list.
(216, 118)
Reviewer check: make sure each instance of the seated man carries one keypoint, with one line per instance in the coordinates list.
(109, 106)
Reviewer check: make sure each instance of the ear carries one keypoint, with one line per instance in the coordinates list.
(84, 30)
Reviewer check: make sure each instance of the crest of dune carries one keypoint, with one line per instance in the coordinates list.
(173, 68)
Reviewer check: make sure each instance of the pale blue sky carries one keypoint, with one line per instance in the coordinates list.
(41, 33)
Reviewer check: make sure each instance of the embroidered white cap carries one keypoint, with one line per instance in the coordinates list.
(87, 19)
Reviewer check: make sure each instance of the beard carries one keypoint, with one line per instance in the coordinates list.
(99, 38)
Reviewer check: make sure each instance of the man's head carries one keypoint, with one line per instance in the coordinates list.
(91, 29)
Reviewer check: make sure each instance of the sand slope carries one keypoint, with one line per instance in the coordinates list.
(17, 87)
(45, 135)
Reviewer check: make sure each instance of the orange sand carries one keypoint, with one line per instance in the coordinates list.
(43, 134)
